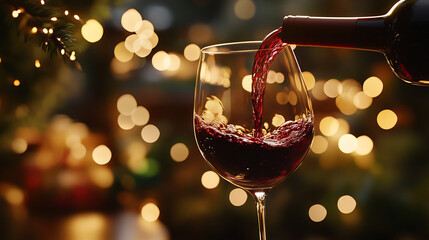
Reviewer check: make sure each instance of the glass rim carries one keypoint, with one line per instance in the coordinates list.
(220, 47)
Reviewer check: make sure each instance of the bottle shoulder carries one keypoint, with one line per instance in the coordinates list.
(409, 13)
(406, 43)
(408, 23)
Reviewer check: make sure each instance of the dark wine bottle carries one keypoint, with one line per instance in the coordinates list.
(402, 35)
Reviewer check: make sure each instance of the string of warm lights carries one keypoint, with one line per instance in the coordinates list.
(50, 24)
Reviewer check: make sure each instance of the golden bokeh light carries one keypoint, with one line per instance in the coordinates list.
(161, 61)
(37, 63)
(309, 79)
(121, 52)
(246, 83)
(92, 31)
(19, 145)
(150, 133)
(333, 88)
(192, 52)
(364, 145)
(293, 98)
(361, 100)
(373, 87)
(214, 105)
(102, 176)
(345, 104)
(244, 9)
(319, 144)
(282, 98)
(208, 116)
(73, 56)
(271, 77)
(329, 126)
(343, 127)
(280, 78)
(15, 13)
(278, 120)
(347, 143)
(101, 155)
(346, 204)
(275, 77)
(150, 212)
(13, 195)
(216, 75)
(144, 43)
(125, 122)
(132, 43)
(318, 92)
(126, 104)
(78, 151)
(351, 86)
(317, 213)
(238, 197)
(16, 82)
(73, 139)
(210, 180)
(154, 39)
(387, 119)
(88, 225)
(143, 52)
(130, 19)
(140, 116)
(179, 152)
(144, 29)
(174, 62)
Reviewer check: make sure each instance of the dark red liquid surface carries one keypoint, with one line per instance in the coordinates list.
(254, 162)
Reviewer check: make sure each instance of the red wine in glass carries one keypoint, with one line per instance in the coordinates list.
(254, 162)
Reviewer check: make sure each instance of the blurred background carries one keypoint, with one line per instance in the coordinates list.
(96, 138)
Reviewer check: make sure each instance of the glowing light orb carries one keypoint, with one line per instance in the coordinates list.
(346, 204)
(317, 213)
(150, 212)
(101, 154)
(210, 180)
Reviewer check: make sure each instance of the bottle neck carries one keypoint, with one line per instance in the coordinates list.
(366, 33)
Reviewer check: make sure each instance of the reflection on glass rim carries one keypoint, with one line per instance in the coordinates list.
(233, 47)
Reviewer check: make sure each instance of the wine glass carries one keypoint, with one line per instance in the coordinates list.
(224, 119)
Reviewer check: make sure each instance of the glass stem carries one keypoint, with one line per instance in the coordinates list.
(260, 197)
